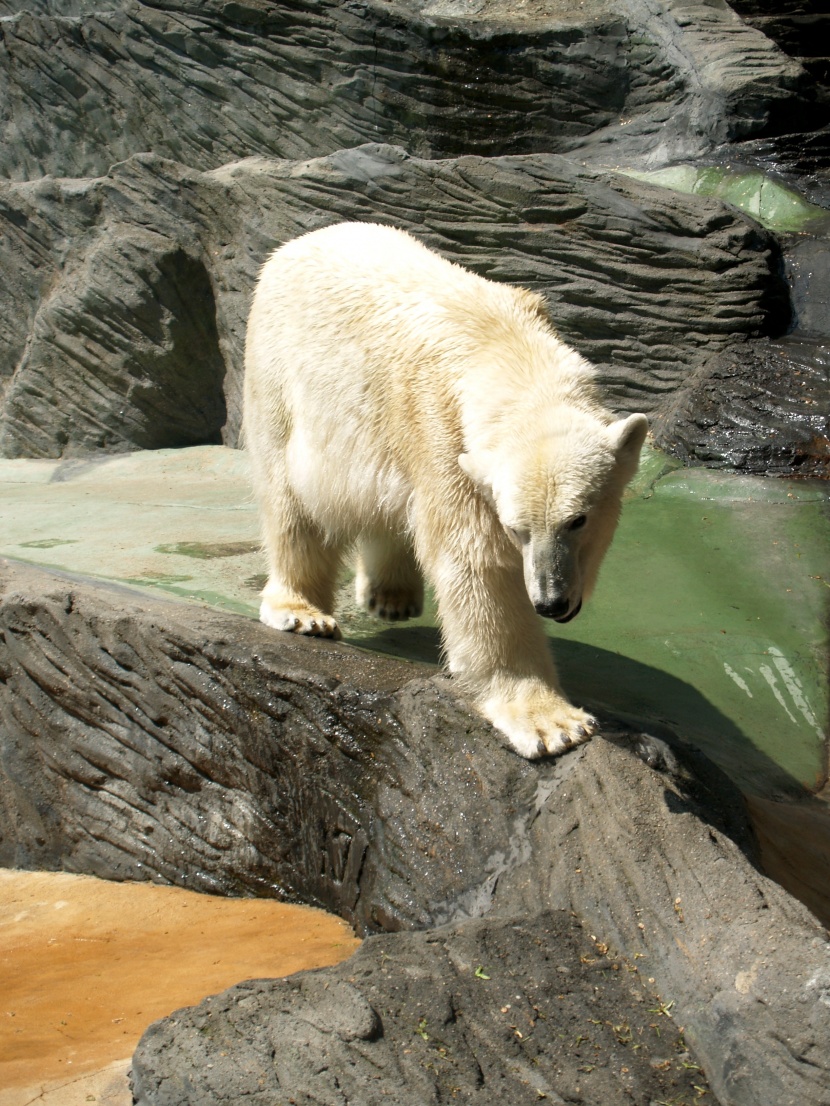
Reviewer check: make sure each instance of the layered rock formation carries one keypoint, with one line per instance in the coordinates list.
(207, 83)
(120, 336)
(133, 230)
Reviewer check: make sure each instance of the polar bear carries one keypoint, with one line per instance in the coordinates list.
(397, 402)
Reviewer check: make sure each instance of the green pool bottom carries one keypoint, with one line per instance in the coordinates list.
(708, 620)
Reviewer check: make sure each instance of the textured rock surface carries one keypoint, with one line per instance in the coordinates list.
(145, 739)
(243, 766)
(764, 408)
(509, 1010)
(122, 319)
(206, 83)
(118, 336)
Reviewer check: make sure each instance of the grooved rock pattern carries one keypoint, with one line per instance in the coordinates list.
(206, 83)
(116, 336)
(132, 226)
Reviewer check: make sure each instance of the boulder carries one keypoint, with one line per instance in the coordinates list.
(761, 408)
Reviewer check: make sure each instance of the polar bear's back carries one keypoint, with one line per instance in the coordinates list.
(364, 280)
(348, 349)
(365, 344)
(363, 252)
(368, 304)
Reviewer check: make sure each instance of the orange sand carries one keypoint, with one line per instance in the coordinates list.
(87, 965)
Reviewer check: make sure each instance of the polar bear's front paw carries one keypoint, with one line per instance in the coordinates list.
(298, 618)
(542, 723)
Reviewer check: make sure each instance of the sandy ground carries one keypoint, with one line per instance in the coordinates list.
(86, 966)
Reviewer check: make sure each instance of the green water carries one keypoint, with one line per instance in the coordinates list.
(769, 202)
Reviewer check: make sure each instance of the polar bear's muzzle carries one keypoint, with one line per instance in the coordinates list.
(560, 610)
(571, 614)
(552, 579)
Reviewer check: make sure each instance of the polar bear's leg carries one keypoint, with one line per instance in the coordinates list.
(495, 643)
(303, 570)
(388, 581)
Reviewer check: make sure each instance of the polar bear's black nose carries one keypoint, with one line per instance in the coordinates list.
(556, 608)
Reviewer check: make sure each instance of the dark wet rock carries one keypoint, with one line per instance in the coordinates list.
(127, 295)
(801, 28)
(508, 1010)
(762, 408)
(802, 160)
(206, 83)
(145, 739)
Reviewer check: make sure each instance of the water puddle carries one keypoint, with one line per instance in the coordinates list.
(87, 965)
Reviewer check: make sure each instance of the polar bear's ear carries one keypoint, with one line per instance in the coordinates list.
(628, 435)
(473, 468)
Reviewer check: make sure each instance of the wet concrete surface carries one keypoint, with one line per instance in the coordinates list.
(86, 965)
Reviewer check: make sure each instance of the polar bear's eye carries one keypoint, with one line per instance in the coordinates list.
(578, 522)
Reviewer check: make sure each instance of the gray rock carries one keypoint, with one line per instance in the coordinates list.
(123, 320)
(204, 83)
(763, 408)
(145, 739)
(518, 1010)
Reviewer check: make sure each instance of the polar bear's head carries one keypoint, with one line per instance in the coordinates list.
(558, 497)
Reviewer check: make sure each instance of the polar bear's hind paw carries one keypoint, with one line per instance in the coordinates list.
(393, 604)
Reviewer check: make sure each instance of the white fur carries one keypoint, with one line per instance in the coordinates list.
(396, 400)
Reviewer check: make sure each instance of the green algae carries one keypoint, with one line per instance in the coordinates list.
(766, 200)
(46, 543)
(206, 597)
(206, 551)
